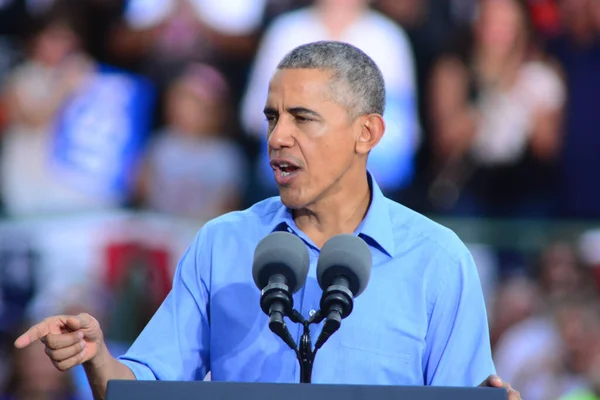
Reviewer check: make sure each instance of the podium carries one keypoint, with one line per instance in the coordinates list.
(202, 390)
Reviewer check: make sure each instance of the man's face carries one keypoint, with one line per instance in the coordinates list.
(311, 137)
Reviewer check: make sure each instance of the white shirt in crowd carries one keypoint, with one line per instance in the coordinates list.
(507, 117)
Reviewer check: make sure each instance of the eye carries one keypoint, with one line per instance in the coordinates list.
(303, 119)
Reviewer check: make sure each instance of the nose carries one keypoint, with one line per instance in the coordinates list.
(281, 135)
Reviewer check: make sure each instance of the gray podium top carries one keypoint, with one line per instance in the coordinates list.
(168, 390)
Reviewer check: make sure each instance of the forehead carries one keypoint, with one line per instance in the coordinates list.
(300, 85)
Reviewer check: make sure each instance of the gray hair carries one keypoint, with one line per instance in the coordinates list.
(356, 80)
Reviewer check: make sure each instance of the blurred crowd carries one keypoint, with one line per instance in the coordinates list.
(126, 124)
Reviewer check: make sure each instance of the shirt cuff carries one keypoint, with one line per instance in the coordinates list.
(141, 371)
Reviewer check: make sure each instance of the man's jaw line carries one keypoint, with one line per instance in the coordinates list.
(332, 213)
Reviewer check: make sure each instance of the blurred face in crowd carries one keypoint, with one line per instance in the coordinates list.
(192, 114)
(55, 43)
(560, 273)
(516, 300)
(500, 28)
(313, 141)
(407, 12)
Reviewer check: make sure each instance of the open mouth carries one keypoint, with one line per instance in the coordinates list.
(287, 169)
(284, 171)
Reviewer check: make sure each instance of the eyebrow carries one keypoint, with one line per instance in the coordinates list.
(302, 110)
(293, 110)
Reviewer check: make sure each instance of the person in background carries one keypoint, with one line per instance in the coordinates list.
(496, 114)
(560, 272)
(350, 21)
(157, 37)
(193, 169)
(35, 91)
(515, 300)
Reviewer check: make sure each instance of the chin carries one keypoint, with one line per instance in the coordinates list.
(292, 199)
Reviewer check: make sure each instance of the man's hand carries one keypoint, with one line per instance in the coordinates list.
(69, 340)
(496, 382)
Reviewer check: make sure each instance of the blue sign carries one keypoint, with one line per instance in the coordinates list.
(101, 131)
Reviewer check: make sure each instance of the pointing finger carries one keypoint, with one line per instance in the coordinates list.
(34, 333)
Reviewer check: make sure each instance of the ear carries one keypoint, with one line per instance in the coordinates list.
(371, 131)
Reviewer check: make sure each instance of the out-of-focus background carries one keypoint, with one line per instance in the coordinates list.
(126, 124)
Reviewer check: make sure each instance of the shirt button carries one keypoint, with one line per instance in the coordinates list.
(312, 312)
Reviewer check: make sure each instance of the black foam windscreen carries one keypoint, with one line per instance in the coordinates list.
(348, 256)
(281, 253)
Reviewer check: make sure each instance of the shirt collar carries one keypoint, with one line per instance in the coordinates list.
(375, 228)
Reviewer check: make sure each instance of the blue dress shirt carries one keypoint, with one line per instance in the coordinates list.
(420, 321)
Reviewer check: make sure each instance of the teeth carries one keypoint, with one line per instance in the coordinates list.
(284, 165)
(284, 173)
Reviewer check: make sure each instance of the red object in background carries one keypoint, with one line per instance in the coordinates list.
(545, 16)
(122, 256)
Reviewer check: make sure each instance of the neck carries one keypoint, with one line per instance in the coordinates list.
(338, 19)
(340, 212)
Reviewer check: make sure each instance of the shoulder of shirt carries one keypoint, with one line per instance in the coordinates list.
(259, 216)
(540, 67)
(407, 223)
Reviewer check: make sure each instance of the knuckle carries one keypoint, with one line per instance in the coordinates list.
(52, 344)
(58, 365)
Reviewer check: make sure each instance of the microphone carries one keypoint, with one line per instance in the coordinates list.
(280, 268)
(343, 272)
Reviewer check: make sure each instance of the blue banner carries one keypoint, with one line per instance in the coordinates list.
(101, 131)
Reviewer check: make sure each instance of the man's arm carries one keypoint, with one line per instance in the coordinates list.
(458, 349)
(101, 369)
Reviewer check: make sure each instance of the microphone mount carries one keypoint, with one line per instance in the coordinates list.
(336, 304)
(277, 302)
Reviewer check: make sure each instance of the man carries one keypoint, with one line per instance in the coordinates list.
(421, 320)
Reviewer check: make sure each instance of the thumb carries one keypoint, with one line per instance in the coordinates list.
(495, 381)
(77, 322)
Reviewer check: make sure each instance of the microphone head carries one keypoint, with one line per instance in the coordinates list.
(281, 253)
(345, 255)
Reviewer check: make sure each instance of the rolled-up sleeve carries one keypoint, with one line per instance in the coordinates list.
(175, 343)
